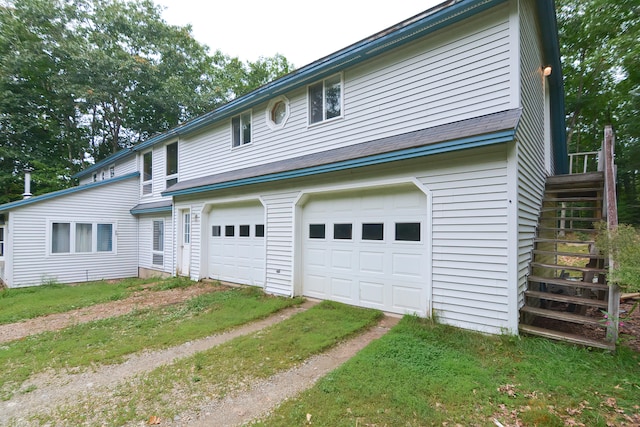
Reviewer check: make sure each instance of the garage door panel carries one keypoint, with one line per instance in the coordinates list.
(372, 293)
(409, 265)
(342, 260)
(342, 289)
(384, 273)
(372, 262)
(407, 298)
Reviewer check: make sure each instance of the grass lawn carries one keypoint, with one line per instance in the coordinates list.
(110, 340)
(191, 381)
(421, 373)
(27, 303)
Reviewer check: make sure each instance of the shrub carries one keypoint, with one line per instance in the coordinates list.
(623, 244)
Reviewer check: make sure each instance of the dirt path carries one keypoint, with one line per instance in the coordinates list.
(139, 300)
(51, 390)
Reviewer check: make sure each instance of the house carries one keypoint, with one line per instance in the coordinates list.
(404, 172)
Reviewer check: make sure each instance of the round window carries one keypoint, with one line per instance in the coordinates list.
(278, 112)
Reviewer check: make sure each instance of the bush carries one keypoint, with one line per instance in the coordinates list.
(623, 244)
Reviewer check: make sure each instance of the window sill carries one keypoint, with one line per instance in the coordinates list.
(324, 122)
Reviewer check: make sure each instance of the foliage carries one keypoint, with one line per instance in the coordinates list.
(600, 53)
(81, 79)
(623, 244)
(422, 373)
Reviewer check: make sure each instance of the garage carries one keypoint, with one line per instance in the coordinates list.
(236, 243)
(368, 248)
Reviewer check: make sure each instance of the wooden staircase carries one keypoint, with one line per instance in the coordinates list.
(567, 290)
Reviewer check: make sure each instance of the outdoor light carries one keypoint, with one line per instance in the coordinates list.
(546, 71)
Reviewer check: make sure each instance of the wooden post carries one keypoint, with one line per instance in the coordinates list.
(612, 224)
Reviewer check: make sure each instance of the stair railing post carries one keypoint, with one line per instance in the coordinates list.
(611, 213)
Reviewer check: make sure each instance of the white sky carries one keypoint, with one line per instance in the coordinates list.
(301, 31)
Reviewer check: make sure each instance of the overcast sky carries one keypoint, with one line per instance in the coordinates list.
(301, 31)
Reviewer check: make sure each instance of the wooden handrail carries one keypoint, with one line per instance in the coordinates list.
(584, 157)
(610, 212)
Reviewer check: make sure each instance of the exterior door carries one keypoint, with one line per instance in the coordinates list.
(185, 246)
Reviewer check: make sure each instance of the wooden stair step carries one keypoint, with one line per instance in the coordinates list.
(575, 178)
(567, 241)
(563, 316)
(570, 218)
(549, 296)
(569, 283)
(568, 230)
(571, 199)
(572, 190)
(569, 254)
(569, 267)
(564, 336)
(569, 208)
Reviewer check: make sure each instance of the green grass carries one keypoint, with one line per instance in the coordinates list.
(110, 340)
(421, 374)
(27, 303)
(192, 381)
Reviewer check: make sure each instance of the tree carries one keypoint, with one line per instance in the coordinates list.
(81, 79)
(600, 53)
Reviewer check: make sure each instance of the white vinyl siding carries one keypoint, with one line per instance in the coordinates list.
(468, 75)
(531, 142)
(32, 262)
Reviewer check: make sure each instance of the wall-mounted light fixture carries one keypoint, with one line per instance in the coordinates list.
(546, 70)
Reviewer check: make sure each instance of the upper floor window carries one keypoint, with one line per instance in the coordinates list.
(147, 173)
(241, 129)
(112, 171)
(172, 164)
(325, 99)
(277, 112)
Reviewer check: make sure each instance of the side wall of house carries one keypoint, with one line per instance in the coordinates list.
(531, 140)
(32, 260)
(457, 73)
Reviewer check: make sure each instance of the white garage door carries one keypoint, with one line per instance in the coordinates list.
(368, 249)
(236, 243)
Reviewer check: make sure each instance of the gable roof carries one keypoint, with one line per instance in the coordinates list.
(420, 25)
(19, 203)
(476, 132)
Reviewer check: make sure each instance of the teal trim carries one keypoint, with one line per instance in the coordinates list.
(551, 51)
(410, 153)
(66, 191)
(151, 210)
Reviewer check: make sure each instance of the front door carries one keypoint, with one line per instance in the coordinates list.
(185, 244)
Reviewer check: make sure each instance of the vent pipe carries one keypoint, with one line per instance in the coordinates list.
(27, 183)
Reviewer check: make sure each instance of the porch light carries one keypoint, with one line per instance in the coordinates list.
(546, 71)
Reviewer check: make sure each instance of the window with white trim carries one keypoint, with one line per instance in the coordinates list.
(325, 99)
(147, 173)
(157, 250)
(241, 129)
(112, 171)
(277, 112)
(81, 237)
(1, 241)
(172, 164)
